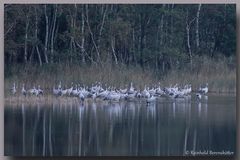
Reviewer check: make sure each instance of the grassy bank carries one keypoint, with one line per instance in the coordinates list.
(218, 74)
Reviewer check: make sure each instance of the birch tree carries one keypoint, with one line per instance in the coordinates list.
(92, 36)
(197, 25)
(188, 27)
(26, 38)
(83, 36)
(46, 34)
(36, 36)
(53, 31)
(151, 36)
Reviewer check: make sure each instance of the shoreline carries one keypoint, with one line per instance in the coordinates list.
(50, 99)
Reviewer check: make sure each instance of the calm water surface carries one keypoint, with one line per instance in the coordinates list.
(167, 127)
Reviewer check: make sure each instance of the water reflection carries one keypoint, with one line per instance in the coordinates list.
(23, 130)
(151, 111)
(167, 127)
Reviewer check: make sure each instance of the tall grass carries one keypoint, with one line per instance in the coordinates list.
(220, 76)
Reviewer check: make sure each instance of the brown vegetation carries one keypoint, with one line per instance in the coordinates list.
(220, 76)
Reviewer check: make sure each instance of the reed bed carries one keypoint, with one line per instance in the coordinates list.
(220, 76)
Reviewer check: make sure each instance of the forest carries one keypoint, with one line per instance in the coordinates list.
(119, 43)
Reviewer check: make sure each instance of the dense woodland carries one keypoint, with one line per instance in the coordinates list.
(156, 35)
(119, 43)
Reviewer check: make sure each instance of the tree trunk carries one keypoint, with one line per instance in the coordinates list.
(188, 41)
(92, 37)
(53, 32)
(76, 43)
(26, 39)
(133, 47)
(36, 37)
(188, 27)
(160, 38)
(73, 34)
(71, 40)
(102, 24)
(31, 54)
(113, 50)
(197, 26)
(83, 37)
(39, 56)
(171, 27)
(142, 34)
(46, 35)
(161, 30)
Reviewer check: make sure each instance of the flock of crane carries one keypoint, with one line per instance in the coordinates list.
(113, 94)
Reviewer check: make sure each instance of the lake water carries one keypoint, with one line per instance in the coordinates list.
(167, 127)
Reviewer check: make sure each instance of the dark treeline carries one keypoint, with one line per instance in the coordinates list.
(158, 36)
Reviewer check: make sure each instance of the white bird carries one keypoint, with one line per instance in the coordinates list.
(81, 96)
(33, 91)
(152, 91)
(23, 91)
(69, 91)
(94, 96)
(75, 91)
(204, 90)
(131, 96)
(85, 92)
(64, 92)
(113, 96)
(151, 99)
(145, 93)
(60, 85)
(199, 96)
(39, 91)
(189, 89)
(13, 89)
(56, 92)
(131, 89)
(123, 91)
(138, 95)
(123, 95)
(103, 94)
(159, 91)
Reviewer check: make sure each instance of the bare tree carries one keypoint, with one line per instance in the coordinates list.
(36, 36)
(113, 49)
(92, 36)
(46, 35)
(53, 31)
(171, 27)
(197, 25)
(83, 36)
(188, 27)
(104, 12)
(26, 38)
